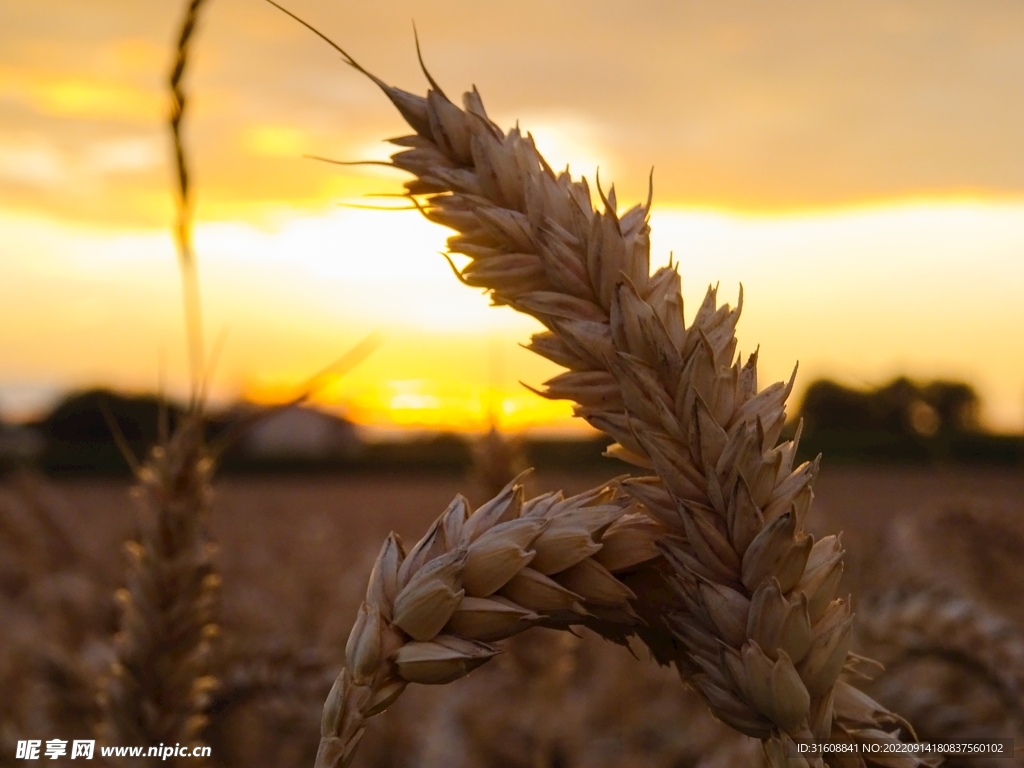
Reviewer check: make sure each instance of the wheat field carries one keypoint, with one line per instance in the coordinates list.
(295, 554)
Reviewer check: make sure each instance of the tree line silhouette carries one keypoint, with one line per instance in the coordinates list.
(902, 421)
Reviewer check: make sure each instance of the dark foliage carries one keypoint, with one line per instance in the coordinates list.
(900, 421)
(79, 432)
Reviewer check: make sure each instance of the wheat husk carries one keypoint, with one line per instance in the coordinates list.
(419, 625)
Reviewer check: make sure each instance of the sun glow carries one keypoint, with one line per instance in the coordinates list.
(926, 289)
(437, 404)
(67, 95)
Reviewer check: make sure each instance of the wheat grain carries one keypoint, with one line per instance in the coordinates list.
(474, 578)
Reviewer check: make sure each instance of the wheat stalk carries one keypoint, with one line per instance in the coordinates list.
(159, 685)
(431, 614)
(759, 629)
(757, 626)
(184, 197)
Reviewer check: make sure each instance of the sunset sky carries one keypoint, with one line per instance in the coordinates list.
(856, 165)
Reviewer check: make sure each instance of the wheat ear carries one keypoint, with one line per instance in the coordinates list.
(477, 577)
(762, 634)
(928, 624)
(160, 683)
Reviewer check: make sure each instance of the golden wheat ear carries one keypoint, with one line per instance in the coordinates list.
(750, 598)
(432, 614)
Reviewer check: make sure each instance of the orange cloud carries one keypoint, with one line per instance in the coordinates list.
(275, 141)
(64, 95)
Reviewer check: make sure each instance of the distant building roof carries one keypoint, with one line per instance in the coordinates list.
(301, 433)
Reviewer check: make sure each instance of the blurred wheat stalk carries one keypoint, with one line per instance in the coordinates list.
(160, 682)
(162, 677)
(55, 619)
(954, 668)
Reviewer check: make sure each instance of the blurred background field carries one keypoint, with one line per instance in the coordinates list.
(295, 552)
